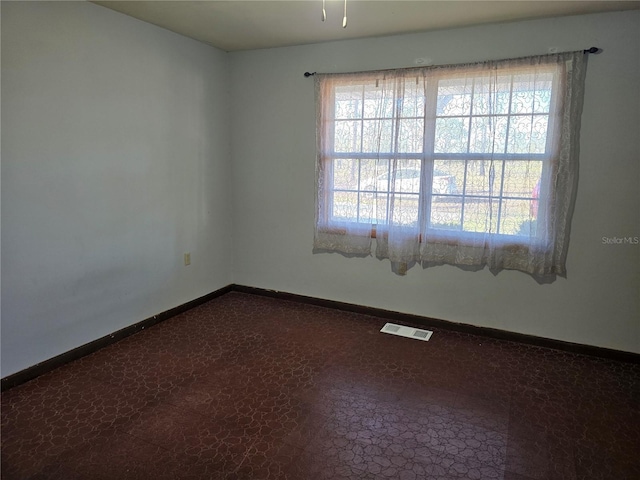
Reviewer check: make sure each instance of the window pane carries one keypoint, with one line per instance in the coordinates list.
(367, 207)
(407, 176)
(344, 206)
(404, 209)
(377, 136)
(531, 93)
(410, 139)
(515, 218)
(527, 134)
(448, 176)
(491, 95)
(370, 171)
(377, 105)
(373, 208)
(542, 96)
(413, 99)
(451, 135)
(522, 95)
(404, 177)
(446, 212)
(488, 134)
(521, 178)
(483, 177)
(480, 215)
(454, 97)
(347, 136)
(345, 174)
(348, 102)
(381, 208)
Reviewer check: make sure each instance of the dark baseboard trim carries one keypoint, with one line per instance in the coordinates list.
(448, 325)
(83, 350)
(88, 348)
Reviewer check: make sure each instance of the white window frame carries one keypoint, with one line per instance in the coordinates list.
(427, 160)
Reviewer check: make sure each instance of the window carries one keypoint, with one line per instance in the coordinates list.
(443, 164)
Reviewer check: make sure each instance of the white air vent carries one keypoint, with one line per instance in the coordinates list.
(408, 332)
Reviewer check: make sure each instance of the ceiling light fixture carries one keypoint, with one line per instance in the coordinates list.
(344, 18)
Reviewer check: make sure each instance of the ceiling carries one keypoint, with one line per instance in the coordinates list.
(245, 25)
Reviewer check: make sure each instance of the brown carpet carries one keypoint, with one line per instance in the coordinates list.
(247, 387)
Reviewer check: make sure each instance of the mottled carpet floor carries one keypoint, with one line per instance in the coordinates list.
(249, 387)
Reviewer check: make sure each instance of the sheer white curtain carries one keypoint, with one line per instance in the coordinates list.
(470, 165)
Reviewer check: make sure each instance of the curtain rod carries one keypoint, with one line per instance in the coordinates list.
(595, 50)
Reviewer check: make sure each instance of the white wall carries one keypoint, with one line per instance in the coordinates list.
(115, 161)
(118, 155)
(273, 182)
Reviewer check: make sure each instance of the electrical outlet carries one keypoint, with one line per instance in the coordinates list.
(187, 259)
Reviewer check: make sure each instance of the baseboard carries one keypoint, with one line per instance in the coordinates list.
(43, 367)
(448, 325)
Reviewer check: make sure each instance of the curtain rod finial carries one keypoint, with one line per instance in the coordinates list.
(595, 50)
(307, 74)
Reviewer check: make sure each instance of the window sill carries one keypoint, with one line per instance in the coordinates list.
(443, 239)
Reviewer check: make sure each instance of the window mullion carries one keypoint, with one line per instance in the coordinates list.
(466, 162)
(430, 106)
(506, 147)
(360, 150)
(464, 193)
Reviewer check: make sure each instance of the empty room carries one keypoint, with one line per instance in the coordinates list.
(320, 239)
